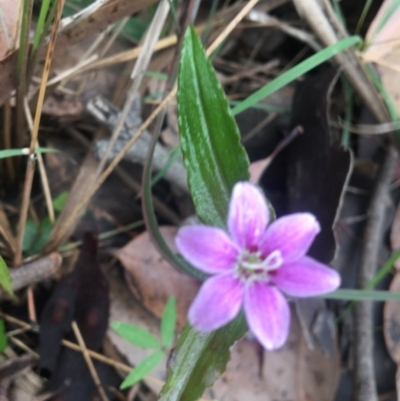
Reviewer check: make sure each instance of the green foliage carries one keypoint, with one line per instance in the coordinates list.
(168, 322)
(142, 369)
(215, 161)
(379, 276)
(59, 201)
(40, 24)
(363, 295)
(199, 359)
(296, 72)
(23, 152)
(5, 278)
(3, 336)
(136, 335)
(36, 236)
(210, 140)
(144, 339)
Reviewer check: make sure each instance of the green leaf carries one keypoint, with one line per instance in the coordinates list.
(168, 322)
(30, 233)
(3, 336)
(142, 369)
(363, 295)
(210, 141)
(59, 201)
(24, 152)
(379, 276)
(5, 278)
(35, 237)
(136, 335)
(296, 72)
(215, 161)
(199, 359)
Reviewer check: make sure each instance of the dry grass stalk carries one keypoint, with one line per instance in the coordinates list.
(89, 362)
(30, 169)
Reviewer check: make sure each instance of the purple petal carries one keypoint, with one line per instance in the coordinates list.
(292, 235)
(207, 248)
(267, 313)
(305, 277)
(217, 303)
(248, 215)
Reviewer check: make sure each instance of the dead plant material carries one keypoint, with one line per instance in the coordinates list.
(34, 272)
(152, 279)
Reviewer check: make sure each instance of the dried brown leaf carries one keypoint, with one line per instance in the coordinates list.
(294, 372)
(10, 12)
(152, 280)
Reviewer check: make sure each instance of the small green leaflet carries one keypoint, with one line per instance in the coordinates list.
(136, 335)
(168, 322)
(3, 336)
(5, 278)
(35, 237)
(142, 369)
(24, 152)
(59, 201)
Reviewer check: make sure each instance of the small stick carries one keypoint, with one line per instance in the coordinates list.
(365, 384)
(95, 355)
(89, 362)
(31, 305)
(34, 272)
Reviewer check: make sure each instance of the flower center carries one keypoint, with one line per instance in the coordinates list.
(253, 266)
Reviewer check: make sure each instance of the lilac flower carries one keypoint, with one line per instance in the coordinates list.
(253, 266)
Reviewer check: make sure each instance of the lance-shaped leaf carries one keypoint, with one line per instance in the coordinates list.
(199, 359)
(215, 161)
(210, 140)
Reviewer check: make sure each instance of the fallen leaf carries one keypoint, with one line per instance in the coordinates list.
(294, 372)
(10, 14)
(74, 29)
(152, 280)
(382, 36)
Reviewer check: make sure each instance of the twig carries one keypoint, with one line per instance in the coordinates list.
(34, 272)
(127, 178)
(89, 362)
(139, 69)
(7, 240)
(7, 139)
(95, 355)
(23, 346)
(365, 385)
(231, 26)
(42, 169)
(82, 204)
(109, 115)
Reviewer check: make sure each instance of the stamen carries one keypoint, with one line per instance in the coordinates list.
(273, 261)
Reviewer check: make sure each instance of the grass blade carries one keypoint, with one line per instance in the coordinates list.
(296, 72)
